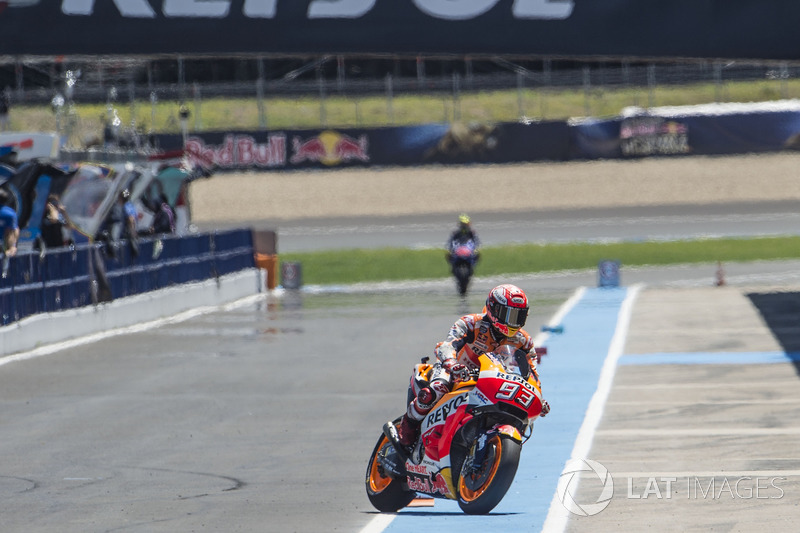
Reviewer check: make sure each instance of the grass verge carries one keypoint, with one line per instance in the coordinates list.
(391, 264)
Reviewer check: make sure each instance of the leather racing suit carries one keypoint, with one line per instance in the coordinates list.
(471, 336)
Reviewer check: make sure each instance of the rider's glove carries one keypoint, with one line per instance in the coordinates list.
(458, 372)
(444, 352)
(545, 408)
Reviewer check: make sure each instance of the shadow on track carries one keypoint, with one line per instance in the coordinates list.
(781, 312)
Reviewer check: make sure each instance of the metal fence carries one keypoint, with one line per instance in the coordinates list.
(534, 90)
(66, 278)
(91, 80)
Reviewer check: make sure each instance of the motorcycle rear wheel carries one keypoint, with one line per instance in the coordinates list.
(385, 493)
(480, 490)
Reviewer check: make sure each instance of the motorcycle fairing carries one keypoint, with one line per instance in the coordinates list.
(443, 421)
(511, 389)
(421, 478)
(465, 252)
(508, 429)
(457, 419)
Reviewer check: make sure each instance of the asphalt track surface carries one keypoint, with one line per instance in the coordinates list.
(564, 225)
(260, 416)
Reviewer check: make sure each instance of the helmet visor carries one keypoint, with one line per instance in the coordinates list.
(511, 316)
(515, 316)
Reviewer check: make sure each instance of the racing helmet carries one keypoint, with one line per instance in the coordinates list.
(507, 309)
(463, 219)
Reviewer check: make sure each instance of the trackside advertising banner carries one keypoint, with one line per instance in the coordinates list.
(715, 129)
(396, 146)
(573, 28)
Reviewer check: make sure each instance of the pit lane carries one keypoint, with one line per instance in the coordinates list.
(265, 412)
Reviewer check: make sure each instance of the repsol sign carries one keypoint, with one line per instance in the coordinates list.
(442, 412)
(318, 9)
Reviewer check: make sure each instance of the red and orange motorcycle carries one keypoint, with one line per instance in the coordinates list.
(470, 442)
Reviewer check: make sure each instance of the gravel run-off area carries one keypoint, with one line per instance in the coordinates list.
(230, 198)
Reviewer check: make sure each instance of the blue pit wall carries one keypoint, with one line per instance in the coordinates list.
(86, 274)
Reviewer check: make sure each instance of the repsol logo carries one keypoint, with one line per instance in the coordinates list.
(320, 9)
(442, 412)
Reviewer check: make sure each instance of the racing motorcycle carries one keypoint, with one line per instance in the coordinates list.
(470, 442)
(463, 256)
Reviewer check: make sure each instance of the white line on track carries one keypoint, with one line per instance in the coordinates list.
(137, 328)
(698, 432)
(558, 317)
(671, 402)
(379, 523)
(732, 385)
(557, 516)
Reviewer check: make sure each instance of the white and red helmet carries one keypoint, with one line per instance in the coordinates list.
(507, 309)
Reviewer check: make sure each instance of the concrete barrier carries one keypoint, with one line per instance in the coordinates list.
(47, 328)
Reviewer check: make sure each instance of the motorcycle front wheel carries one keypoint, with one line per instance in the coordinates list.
(385, 493)
(462, 274)
(481, 487)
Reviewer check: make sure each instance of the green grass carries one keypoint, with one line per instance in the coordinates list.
(391, 264)
(84, 122)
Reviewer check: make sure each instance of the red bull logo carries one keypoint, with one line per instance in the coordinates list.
(330, 148)
(238, 151)
(435, 484)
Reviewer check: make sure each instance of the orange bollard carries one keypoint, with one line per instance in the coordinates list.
(269, 262)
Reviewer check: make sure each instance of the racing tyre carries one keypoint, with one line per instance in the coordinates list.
(481, 487)
(462, 274)
(385, 493)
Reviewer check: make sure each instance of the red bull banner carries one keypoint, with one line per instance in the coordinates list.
(714, 129)
(393, 146)
(245, 150)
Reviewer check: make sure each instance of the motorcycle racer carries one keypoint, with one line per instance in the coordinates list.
(500, 323)
(462, 235)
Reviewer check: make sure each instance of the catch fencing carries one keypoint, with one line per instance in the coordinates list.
(90, 274)
(147, 96)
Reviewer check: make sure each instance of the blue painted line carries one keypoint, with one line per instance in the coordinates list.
(710, 358)
(570, 372)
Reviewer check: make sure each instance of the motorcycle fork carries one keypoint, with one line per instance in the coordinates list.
(476, 456)
(479, 452)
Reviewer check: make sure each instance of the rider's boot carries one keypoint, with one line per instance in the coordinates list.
(408, 429)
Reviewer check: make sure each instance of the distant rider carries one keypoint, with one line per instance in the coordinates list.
(462, 235)
(499, 324)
